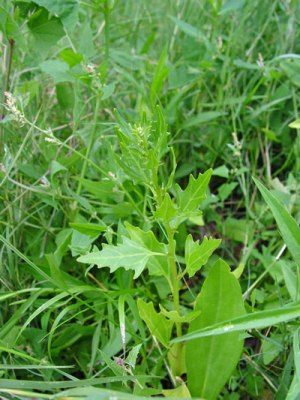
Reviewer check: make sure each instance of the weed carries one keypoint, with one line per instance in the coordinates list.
(129, 136)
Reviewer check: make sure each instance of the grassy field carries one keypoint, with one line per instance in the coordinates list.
(149, 199)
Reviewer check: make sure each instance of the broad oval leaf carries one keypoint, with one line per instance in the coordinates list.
(46, 30)
(210, 360)
(67, 10)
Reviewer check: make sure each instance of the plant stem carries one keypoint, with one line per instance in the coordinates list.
(178, 348)
(157, 190)
(106, 12)
(173, 271)
(90, 145)
(6, 85)
(106, 17)
(174, 282)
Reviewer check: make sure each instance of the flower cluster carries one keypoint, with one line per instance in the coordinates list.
(93, 72)
(237, 145)
(11, 107)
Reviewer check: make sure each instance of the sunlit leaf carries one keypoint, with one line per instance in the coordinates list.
(197, 255)
(158, 325)
(129, 255)
(211, 360)
(179, 392)
(166, 210)
(157, 264)
(295, 124)
(189, 199)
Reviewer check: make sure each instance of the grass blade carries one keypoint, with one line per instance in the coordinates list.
(41, 385)
(287, 226)
(257, 320)
(27, 260)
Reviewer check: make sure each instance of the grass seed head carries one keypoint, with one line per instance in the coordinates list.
(11, 107)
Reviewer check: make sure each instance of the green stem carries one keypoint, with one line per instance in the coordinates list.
(174, 275)
(178, 348)
(174, 282)
(107, 20)
(6, 85)
(157, 190)
(106, 12)
(90, 145)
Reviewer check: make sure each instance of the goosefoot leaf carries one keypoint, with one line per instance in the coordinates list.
(158, 325)
(287, 226)
(175, 317)
(157, 265)
(210, 360)
(197, 255)
(129, 255)
(166, 210)
(189, 199)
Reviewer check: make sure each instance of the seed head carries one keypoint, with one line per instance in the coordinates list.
(11, 107)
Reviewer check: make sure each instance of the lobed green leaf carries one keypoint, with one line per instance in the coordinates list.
(158, 325)
(197, 255)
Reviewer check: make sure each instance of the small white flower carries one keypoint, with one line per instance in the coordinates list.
(2, 168)
(91, 68)
(112, 175)
(44, 181)
(260, 61)
(220, 42)
(237, 145)
(51, 140)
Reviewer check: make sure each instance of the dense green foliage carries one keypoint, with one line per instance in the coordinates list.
(149, 199)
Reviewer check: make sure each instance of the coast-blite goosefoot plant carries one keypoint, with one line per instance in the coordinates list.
(207, 362)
